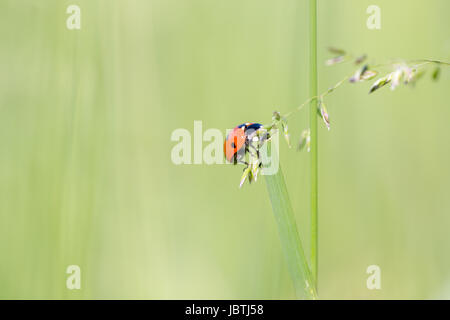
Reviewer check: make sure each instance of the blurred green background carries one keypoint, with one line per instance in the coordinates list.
(86, 176)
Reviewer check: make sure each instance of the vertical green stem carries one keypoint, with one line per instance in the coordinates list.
(314, 136)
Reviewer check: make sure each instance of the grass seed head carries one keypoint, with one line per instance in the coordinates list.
(337, 51)
(360, 59)
(305, 140)
(244, 176)
(369, 75)
(276, 116)
(324, 114)
(396, 78)
(335, 60)
(436, 73)
(363, 74)
(380, 83)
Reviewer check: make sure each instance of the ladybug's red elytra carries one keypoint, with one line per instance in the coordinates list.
(237, 142)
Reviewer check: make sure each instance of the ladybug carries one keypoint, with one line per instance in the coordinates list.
(238, 141)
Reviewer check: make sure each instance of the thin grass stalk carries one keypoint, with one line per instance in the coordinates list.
(314, 140)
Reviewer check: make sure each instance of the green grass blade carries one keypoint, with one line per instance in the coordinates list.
(289, 237)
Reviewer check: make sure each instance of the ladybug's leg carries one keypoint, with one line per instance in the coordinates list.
(255, 150)
(242, 161)
(259, 158)
(239, 160)
(246, 164)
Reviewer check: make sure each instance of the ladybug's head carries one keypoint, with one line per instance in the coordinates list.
(234, 143)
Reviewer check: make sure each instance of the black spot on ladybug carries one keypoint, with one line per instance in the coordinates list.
(233, 145)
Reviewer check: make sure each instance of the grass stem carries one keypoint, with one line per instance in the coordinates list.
(314, 140)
